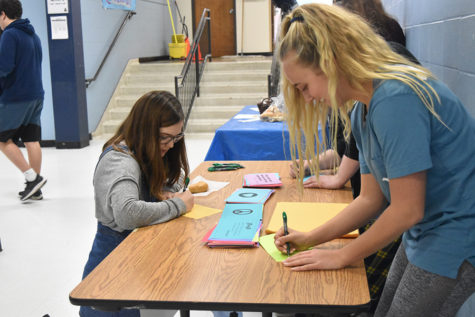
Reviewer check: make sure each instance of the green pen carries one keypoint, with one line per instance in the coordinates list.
(187, 181)
(286, 231)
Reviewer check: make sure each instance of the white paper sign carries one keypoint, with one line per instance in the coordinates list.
(59, 27)
(58, 6)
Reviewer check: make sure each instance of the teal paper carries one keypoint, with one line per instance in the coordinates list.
(249, 196)
(128, 5)
(238, 222)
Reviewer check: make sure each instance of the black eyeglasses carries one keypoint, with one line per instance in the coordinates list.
(166, 138)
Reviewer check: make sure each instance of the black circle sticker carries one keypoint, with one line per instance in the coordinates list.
(241, 212)
(247, 195)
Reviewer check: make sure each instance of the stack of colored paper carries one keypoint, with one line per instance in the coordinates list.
(239, 226)
(262, 180)
(249, 196)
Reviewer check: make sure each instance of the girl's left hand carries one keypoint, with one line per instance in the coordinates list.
(168, 195)
(316, 259)
(324, 181)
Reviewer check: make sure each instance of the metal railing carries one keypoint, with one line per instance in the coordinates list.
(273, 78)
(187, 84)
(127, 17)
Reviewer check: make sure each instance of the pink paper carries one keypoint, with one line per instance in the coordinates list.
(262, 180)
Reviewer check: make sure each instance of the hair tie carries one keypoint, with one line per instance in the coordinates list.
(297, 18)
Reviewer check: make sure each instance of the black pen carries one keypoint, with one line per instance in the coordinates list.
(286, 231)
(187, 181)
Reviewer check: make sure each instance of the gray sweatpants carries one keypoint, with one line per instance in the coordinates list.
(412, 291)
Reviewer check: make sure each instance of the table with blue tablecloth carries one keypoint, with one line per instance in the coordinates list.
(245, 139)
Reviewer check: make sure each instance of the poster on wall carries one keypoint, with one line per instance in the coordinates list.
(57, 6)
(128, 5)
(59, 27)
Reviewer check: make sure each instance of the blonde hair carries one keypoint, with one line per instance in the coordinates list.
(337, 42)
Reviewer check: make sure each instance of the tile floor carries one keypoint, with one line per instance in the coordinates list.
(46, 243)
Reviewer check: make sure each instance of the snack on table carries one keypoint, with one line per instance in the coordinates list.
(199, 187)
(264, 104)
(272, 114)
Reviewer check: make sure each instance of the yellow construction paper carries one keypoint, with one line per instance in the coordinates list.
(305, 216)
(199, 211)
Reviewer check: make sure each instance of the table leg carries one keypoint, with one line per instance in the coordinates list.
(184, 313)
(266, 314)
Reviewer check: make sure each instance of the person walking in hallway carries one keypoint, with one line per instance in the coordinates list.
(21, 95)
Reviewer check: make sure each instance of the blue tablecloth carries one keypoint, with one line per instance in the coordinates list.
(250, 141)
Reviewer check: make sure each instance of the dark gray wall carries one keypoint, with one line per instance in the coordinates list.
(441, 34)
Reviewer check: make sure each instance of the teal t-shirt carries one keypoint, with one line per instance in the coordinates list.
(398, 137)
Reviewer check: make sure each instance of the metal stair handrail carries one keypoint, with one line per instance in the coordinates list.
(187, 84)
(127, 17)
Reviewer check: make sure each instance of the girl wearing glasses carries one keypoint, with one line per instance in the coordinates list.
(417, 169)
(139, 178)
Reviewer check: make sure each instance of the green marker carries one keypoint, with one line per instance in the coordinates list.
(286, 231)
(187, 181)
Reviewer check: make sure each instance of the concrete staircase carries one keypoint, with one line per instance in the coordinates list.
(227, 85)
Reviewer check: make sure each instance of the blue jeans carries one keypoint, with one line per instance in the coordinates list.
(105, 241)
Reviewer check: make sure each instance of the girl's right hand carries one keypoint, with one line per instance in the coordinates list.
(294, 168)
(187, 198)
(298, 240)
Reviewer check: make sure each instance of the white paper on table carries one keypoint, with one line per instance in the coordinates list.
(246, 116)
(250, 120)
(212, 185)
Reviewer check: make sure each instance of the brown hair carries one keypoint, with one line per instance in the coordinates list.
(373, 12)
(12, 9)
(141, 133)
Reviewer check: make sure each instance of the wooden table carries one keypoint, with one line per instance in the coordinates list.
(166, 266)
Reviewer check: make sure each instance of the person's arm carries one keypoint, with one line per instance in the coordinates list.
(356, 214)
(347, 169)
(329, 159)
(170, 191)
(7, 54)
(130, 212)
(406, 210)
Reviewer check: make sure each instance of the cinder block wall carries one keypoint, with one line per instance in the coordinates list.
(441, 34)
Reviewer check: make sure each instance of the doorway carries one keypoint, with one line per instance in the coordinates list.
(223, 24)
